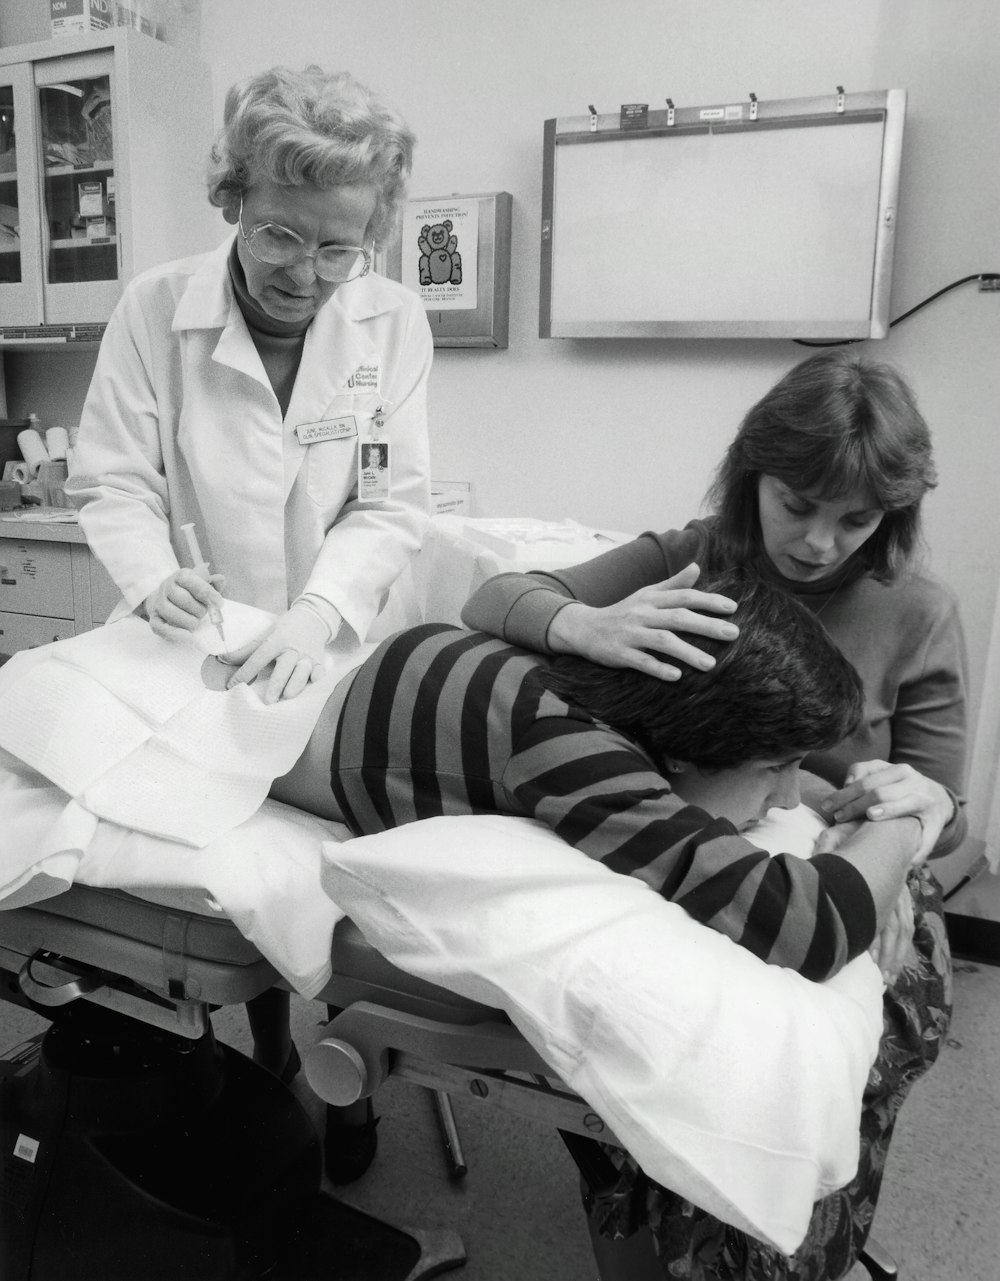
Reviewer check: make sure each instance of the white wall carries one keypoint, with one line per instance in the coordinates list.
(548, 427)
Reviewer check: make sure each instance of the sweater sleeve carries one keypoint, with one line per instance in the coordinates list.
(519, 608)
(929, 721)
(593, 789)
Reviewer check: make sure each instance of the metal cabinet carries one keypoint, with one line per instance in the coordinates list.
(51, 587)
(103, 144)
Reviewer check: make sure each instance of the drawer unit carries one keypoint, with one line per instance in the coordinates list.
(25, 631)
(36, 578)
(51, 586)
(104, 595)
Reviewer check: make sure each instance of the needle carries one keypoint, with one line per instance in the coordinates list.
(201, 568)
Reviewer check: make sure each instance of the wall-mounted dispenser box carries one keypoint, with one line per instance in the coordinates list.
(454, 251)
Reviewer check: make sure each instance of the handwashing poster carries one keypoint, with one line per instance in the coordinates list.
(440, 248)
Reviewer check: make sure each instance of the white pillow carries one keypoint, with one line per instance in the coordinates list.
(735, 1083)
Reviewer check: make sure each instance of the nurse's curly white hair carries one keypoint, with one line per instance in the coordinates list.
(310, 127)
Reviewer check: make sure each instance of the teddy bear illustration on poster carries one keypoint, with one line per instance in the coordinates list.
(440, 262)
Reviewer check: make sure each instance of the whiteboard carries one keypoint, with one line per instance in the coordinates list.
(781, 231)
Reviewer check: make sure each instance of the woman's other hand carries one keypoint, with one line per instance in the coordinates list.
(295, 644)
(879, 790)
(182, 600)
(621, 635)
(893, 946)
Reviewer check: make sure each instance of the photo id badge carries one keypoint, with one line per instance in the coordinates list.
(373, 471)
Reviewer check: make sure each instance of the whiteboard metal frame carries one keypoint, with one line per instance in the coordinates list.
(888, 105)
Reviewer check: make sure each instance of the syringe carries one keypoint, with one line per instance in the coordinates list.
(201, 568)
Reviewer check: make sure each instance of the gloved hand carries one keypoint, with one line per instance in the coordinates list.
(182, 600)
(295, 644)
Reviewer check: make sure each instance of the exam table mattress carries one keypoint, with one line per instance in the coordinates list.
(190, 955)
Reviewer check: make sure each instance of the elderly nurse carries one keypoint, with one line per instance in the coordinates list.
(235, 390)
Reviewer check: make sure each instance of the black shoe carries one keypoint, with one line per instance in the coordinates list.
(348, 1150)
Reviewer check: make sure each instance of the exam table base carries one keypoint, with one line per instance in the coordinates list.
(130, 1152)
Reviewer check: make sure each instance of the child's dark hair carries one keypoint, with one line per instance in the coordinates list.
(782, 687)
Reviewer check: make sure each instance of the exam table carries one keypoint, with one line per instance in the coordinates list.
(137, 1146)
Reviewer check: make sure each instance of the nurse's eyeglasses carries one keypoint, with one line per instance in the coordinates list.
(278, 246)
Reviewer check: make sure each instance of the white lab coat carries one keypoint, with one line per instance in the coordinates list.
(181, 424)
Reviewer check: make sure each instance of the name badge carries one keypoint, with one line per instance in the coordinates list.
(374, 471)
(327, 429)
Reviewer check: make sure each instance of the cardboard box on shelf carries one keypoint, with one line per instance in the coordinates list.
(90, 198)
(129, 16)
(73, 17)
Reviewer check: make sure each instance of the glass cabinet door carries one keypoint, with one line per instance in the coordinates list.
(10, 220)
(20, 285)
(78, 190)
(76, 109)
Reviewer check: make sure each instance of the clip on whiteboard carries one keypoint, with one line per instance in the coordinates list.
(634, 115)
(753, 106)
(840, 100)
(670, 113)
(593, 119)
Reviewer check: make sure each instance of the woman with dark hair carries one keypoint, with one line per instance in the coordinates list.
(819, 493)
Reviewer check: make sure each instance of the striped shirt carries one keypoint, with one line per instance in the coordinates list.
(444, 721)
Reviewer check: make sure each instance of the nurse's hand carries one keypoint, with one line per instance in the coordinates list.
(621, 635)
(295, 644)
(182, 600)
(878, 790)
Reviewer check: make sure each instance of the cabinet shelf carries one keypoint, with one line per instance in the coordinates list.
(94, 242)
(79, 171)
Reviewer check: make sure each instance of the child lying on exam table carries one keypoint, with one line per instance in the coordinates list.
(655, 779)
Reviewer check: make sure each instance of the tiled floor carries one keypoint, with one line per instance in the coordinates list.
(518, 1212)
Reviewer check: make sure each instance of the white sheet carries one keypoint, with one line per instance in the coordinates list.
(119, 768)
(122, 721)
(264, 874)
(736, 1083)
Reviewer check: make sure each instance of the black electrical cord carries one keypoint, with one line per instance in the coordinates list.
(845, 342)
